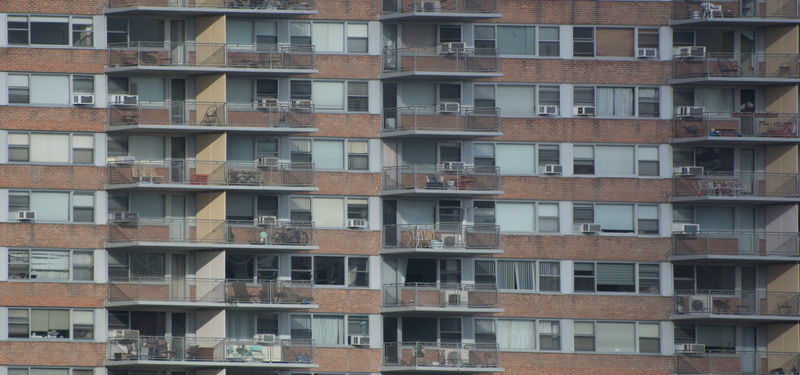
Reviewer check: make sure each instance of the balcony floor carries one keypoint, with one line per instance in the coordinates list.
(437, 192)
(719, 318)
(146, 186)
(191, 129)
(727, 81)
(200, 246)
(437, 16)
(439, 369)
(423, 134)
(734, 21)
(187, 11)
(443, 75)
(733, 199)
(437, 252)
(731, 141)
(439, 310)
(156, 364)
(182, 305)
(730, 259)
(205, 70)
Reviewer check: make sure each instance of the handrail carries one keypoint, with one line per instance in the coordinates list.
(737, 124)
(737, 184)
(442, 59)
(453, 6)
(737, 302)
(211, 55)
(255, 5)
(737, 65)
(441, 177)
(443, 236)
(446, 117)
(201, 172)
(733, 9)
(230, 291)
(439, 354)
(258, 114)
(737, 243)
(197, 231)
(441, 295)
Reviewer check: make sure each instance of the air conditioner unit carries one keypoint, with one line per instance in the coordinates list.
(452, 47)
(449, 240)
(692, 348)
(356, 223)
(125, 99)
(590, 228)
(266, 220)
(266, 161)
(301, 104)
(682, 51)
(700, 303)
(449, 107)
(691, 171)
(547, 110)
(553, 169)
(125, 216)
(697, 51)
(131, 334)
(266, 103)
(583, 110)
(359, 340)
(264, 338)
(83, 99)
(689, 112)
(686, 228)
(454, 297)
(429, 6)
(26, 215)
(455, 357)
(123, 160)
(643, 53)
(452, 165)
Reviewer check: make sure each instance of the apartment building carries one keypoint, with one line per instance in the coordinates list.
(315, 187)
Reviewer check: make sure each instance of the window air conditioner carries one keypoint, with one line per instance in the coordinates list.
(452, 47)
(547, 110)
(590, 228)
(644, 53)
(130, 217)
(429, 6)
(692, 348)
(449, 107)
(266, 161)
(125, 99)
(359, 340)
(301, 104)
(691, 171)
(583, 110)
(454, 297)
(123, 160)
(266, 103)
(83, 99)
(26, 215)
(682, 51)
(700, 303)
(452, 165)
(356, 223)
(553, 169)
(686, 228)
(264, 338)
(131, 334)
(684, 112)
(266, 220)
(697, 51)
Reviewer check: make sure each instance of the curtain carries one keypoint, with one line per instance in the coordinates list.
(328, 330)
(46, 89)
(513, 158)
(614, 160)
(516, 101)
(49, 148)
(515, 334)
(328, 154)
(714, 100)
(515, 217)
(524, 275)
(328, 37)
(49, 264)
(240, 325)
(612, 101)
(505, 274)
(416, 35)
(615, 337)
(328, 212)
(50, 206)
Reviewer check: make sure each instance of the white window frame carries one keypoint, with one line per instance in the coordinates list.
(72, 90)
(536, 44)
(345, 36)
(537, 276)
(71, 267)
(72, 147)
(537, 333)
(345, 154)
(636, 335)
(71, 316)
(636, 31)
(637, 278)
(635, 206)
(636, 160)
(345, 321)
(635, 103)
(71, 204)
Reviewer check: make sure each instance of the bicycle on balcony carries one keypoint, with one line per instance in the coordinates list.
(290, 236)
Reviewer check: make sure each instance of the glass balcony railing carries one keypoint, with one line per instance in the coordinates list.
(256, 115)
(198, 290)
(260, 5)
(211, 55)
(737, 66)
(460, 120)
(738, 124)
(447, 177)
(737, 302)
(444, 237)
(736, 244)
(734, 185)
(441, 59)
(213, 173)
(197, 349)
(727, 9)
(450, 6)
(424, 295)
(728, 362)
(440, 356)
(210, 232)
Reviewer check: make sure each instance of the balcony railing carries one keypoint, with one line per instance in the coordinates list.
(216, 173)
(736, 363)
(738, 185)
(265, 5)
(210, 232)
(450, 6)
(441, 178)
(441, 60)
(211, 55)
(178, 349)
(437, 119)
(738, 302)
(441, 295)
(197, 290)
(737, 244)
(741, 124)
(445, 237)
(441, 355)
(697, 10)
(212, 115)
(737, 66)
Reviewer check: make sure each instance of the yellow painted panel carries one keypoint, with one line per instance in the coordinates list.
(210, 38)
(211, 217)
(782, 338)
(781, 99)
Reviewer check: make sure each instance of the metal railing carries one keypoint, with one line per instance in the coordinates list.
(737, 243)
(195, 172)
(725, 362)
(268, 5)
(737, 302)
(439, 119)
(211, 55)
(161, 348)
(699, 9)
(439, 59)
(449, 6)
(441, 295)
(432, 354)
(438, 177)
(737, 65)
(195, 231)
(737, 184)
(181, 289)
(737, 124)
(446, 237)
(211, 114)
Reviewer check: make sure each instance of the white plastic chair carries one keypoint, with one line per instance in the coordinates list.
(710, 10)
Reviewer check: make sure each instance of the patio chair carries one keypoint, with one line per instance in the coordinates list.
(211, 116)
(241, 294)
(728, 68)
(711, 10)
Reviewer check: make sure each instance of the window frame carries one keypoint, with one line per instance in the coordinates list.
(636, 336)
(537, 277)
(636, 166)
(346, 36)
(538, 334)
(70, 153)
(297, 155)
(637, 278)
(636, 100)
(635, 217)
(537, 98)
(70, 30)
(345, 322)
(71, 319)
(70, 204)
(637, 30)
(537, 40)
(71, 78)
(72, 265)
(311, 271)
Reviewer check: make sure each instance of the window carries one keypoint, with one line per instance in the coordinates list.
(647, 38)
(648, 102)
(508, 156)
(358, 271)
(329, 270)
(611, 41)
(328, 153)
(51, 324)
(53, 206)
(714, 337)
(519, 334)
(301, 151)
(712, 159)
(242, 325)
(357, 155)
(484, 96)
(251, 267)
(648, 161)
(649, 338)
(616, 277)
(515, 100)
(50, 148)
(518, 40)
(124, 30)
(328, 330)
(614, 101)
(357, 38)
(48, 371)
(527, 217)
(357, 97)
(357, 208)
(300, 89)
(50, 30)
(615, 160)
(245, 33)
(136, 265)
(615, 337)
(519, 275)
(331, 36)
(548, 154)
(549, 335)
(41, 264)
(703, 278)
(583, 41)
(647, 219)
(619, 101)
(484, 154)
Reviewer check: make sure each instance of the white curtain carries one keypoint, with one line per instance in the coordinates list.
(50, 206)
(49, 264)
(50, 148)
(240, 325)
(615, 337)
(328, 212)
(46, 89)
(516, 334)
(328, 37)
(516, 101)
(614, 217)
(328, 95)
(612, 101)
(714, 100)
(614, 160)
(328, 330)
(516, 274)
(328, 154)
(515, 217)
(513, 158)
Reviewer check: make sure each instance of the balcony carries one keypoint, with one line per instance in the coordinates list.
(451, 10)
(722, 12)
(734, 187)
(198, 117)
(184, 233)
(272, 8)
(160, 351)
(736, 363)
(441, 180)
(441, 239)
(426, 357)
(210, 58)
(211, 293)
(211, 175)
(732, 246)
(422, 122)
(737, 305)
(440, 299)
(736, 68)
(441, 63)
(741, 128)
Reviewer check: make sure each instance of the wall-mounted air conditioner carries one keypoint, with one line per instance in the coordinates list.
(686, 228)
(591, 228)
(455, 357)
(452, 165)
(125, 217)
(266, 220)
(644, 53)
(583, 110)
(356, 223)
(266, 161)
(305, 104)
(449, 107)
(452, 47)
(125, 99)
(692, 112)
(691, 348)
(454, 297)
(26, 215)
(264, 338)
(266, 103)
(449, 240)
(553, 169)
(358, 340)
(83, 99)
(700, 303)
(547, 110)
(691, 171)
(131, 334)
